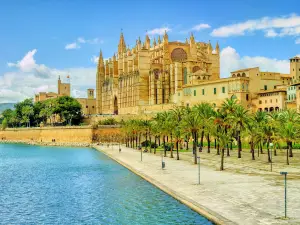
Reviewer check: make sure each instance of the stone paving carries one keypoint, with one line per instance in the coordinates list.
(239, 198)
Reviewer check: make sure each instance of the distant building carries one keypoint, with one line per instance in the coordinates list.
(64, 89)
(149, 78)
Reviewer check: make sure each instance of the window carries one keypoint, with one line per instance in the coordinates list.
(265, 87)
(215, 90)
(185, 75)
(194, 92)
(265, 101)
(93, 106)
(270, 100)
(223, 89)
(247, 97)
(276, 100)
(178, 94)
(260, 102)
(203, 92)
(86, 107)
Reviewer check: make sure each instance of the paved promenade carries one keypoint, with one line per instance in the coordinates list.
(225, 196)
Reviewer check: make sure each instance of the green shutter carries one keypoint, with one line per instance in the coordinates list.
(203, 93)
(194, 92)
(223, 89)
(215, 90)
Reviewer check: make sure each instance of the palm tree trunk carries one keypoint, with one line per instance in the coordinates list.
(291, 151)
(239, 146)
(228, 153)
(164, 145)
(202, 136)
(154, 144)
(287, 156)
(252, 150)
(177, 150)
(222, 160)
(159, 140)
(194, 148)
(172, 146)
(215, 143)
(208, 144)
(150, 143)
(218, 149)
(275, 150)
(146, 143)
(187, 143)
(261, 148)
(269, 157)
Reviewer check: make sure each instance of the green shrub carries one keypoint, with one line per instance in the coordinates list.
(109, 121)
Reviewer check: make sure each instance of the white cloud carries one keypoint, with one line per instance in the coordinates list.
(27, 63)
(32, 78)
(201, 27)
(271, 33)
(297, 41)
(159, 31)
(231, 60)
(79, 41)
(95, 59)
(287, 25)
(73, 45)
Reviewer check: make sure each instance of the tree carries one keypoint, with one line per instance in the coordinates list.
(4, 124)
(69, 109)
(27, 112)
(191, 122)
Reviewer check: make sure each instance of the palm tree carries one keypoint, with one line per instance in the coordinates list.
(290, 115)
(289, 132)
(253, 133)
(205, 111)
(191, 122)
(239, 119)
(177, 115)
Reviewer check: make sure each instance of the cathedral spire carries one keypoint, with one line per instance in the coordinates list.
(158, 40)
(166, 37)
(100, 61)
(209, 48)
(192, 39)
(122, 44)
(217, 48)
(154, 42)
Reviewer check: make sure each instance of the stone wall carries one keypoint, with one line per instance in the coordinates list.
(82, 134)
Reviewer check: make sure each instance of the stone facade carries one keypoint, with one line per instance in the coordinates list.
(151, 74)
(153, 77)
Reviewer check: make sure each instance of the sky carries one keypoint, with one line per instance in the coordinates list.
(40, 40)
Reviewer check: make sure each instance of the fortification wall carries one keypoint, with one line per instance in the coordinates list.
(60, 134)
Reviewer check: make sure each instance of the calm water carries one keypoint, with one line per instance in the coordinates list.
(53, 185)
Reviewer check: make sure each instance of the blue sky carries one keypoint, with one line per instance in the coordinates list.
(41, 30)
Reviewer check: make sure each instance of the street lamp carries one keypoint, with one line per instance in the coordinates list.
(163, 164)
(285, 197)
(271, 145)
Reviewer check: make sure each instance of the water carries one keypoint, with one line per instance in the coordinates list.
(59, 185)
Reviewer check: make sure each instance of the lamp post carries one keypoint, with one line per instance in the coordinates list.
(163, 165)
(198, 169)
(271, 146)
(285, 197)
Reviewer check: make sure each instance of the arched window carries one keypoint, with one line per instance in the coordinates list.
(243, 75)
(184, 75)
(238, 75)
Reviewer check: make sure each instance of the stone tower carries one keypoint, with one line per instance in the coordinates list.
(295, 68)
(99, 83)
